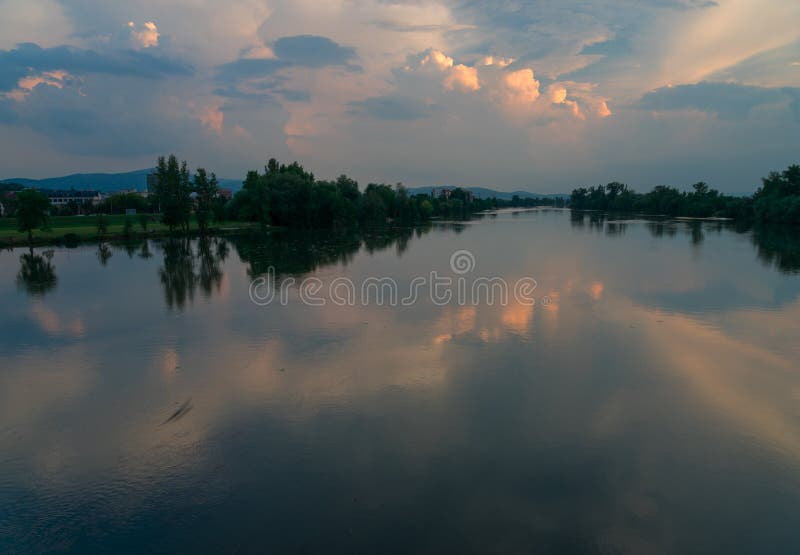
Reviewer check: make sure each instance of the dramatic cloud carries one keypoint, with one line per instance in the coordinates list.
(556, 94)
(303, 51)
(31, 60)
(520, 87)
(726, 100)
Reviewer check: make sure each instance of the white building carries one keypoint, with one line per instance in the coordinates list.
(63, 198)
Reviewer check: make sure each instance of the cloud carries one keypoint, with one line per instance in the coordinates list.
(31, 59)
(454, 76)
(462, 77)
(520, 87)
(291, 95)
(26, 20)
(557, 93)
(249, 68)
(25, 85)
(434, 58)
(394, 107)
(518, 80)
(603, 110)
(728, 101)
(211, 117)
(147, 37)
(303, 51)
(312, 51)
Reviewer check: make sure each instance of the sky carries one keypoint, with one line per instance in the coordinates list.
(509, 94)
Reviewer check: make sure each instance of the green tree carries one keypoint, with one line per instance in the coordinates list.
(102, 224)
(173, 190)
(252, 203)
(32, 211)
(206, 189)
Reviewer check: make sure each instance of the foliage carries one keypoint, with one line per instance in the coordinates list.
(664, 200)
(172, 191)
(777, 200)
(120, 202)
(206, 191)
(101, 224)
(31, 212)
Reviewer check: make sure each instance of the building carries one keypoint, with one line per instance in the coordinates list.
(446, 192)
(227, 194)
(442, 193)
(63, 198)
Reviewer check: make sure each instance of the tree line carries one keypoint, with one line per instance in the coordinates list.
(291, 196)
(777, 200)
(288, 195)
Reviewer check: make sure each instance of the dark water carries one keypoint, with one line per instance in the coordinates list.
(649, 402)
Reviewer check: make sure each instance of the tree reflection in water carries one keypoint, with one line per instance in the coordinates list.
(776, 245)
(37, 274)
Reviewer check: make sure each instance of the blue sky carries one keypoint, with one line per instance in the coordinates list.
(510, 94)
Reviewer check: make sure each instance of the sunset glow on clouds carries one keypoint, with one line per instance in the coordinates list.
(424, 92)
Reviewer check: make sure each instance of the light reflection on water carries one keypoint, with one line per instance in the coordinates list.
(651, 405)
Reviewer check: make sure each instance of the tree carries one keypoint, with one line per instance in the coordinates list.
(700, 188)
(252, 203)
(206, 190)
(144, 221)
(173, 190)
(32, 211)
(101, 224)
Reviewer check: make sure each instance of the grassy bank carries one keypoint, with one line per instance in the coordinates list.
(62, 229)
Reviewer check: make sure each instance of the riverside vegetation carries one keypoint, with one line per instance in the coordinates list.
(291, 196)
(776, 201)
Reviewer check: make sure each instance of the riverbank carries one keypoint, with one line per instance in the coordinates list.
(81, 229)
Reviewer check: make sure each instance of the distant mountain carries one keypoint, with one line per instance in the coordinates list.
(138, 180)
(483, 192)
(104, 181)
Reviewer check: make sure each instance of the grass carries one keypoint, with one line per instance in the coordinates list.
(85, 229)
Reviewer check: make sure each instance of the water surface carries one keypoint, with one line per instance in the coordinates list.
(648, 403)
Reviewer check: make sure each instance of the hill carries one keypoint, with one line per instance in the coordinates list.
(103, 181)
(138, 180)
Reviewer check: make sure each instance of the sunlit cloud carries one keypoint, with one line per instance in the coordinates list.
(212, 118)
(529, 83)
(147, 37)
(25, 85)
(520, 87)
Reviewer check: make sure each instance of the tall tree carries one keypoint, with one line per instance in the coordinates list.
(206, 190)
(32, 211)
(173, 189)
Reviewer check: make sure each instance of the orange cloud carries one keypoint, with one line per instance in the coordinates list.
(520, 87)
(463, 77)
(211, 117)
(603, 110)
(26, 84)
(147, 37)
